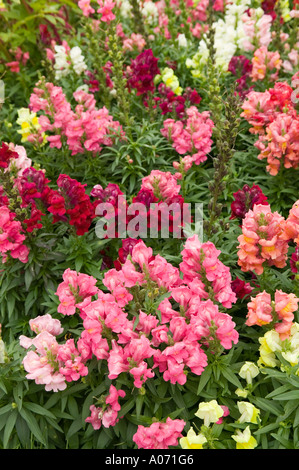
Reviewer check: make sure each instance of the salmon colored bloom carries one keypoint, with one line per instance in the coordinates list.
(262, 240)
(265, 62)
(259, 310)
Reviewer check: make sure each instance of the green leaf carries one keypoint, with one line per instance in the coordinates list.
(10, 423)
(33, 425)
(285, 442)
(177, 413)
(23, 431)
(267, 405)
(266, 429)
(127, 407)
(139, 403)
(35, 408)
(278, 390)
(74, 427)
(5, 409)
(231, 377)
(204, 378)
(79, 263)
(72, 406)
(292, 395)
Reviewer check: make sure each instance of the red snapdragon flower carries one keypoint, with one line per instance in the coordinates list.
(6, 154)
(142, 72)
(245, 199)
(241, 288)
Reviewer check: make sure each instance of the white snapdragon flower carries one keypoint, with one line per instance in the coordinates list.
(249, 371)
(125, 8)
(61, 65)
(182, 40)
(78, 61)
(150, 12)
(210, 412)
(83, 88)
(229, 33)
(65, 60)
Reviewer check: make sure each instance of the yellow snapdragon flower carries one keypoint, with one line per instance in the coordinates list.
(244, 440)
(170, 79)
(249, 413)
(269, 344)
(29, 124)
(210, 412)
(241, 392)
(285, 10)
(192, 440)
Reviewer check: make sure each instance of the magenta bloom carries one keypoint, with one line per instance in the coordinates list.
(142, 71)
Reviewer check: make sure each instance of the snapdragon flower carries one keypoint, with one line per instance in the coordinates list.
(244, 439)
(66, 59)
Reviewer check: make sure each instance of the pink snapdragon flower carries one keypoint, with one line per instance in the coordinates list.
(285, 306)
(200, 261)
(12, 237)
(159, 435)
(193, 137)
(134, 41)
(46, 323)
(208, 324)
(84, 5)
(164, 185)
(226, 412)
(274, 118)
(86, 128)
(107, 415)
(280, 144)
(291, 227)
(75, 288)
(48, 362)
(257, 30)
(22, 162)
(73, 367)
(39, 370)
(41, 364)
(106, 7)
(131, 359)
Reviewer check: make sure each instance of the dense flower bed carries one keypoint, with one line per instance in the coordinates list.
(149, 224)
